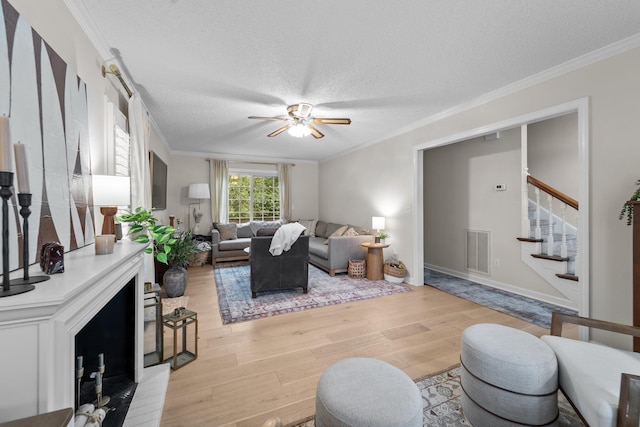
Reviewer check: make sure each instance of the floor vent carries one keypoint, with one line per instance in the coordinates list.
(477, 251)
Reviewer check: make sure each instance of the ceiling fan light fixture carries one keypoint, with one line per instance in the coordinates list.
(299, 130)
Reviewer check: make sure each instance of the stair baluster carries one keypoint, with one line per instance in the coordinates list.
(563, 245)
(538, 232)
(576, 258)
(550, 230)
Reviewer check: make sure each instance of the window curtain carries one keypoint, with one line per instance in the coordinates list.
(140, 172)
(285, 190)
(139, 139)
(219, 184)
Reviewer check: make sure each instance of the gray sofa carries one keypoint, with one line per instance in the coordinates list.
(229, 241)
(327, 251)
(332, 253)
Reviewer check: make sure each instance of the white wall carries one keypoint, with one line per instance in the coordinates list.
(383, 171)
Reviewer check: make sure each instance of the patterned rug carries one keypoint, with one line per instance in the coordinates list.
(236, 304)
(529, 309)
(442, 408)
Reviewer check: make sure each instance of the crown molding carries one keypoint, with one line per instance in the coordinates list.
(585, 60)
(88, 25)
(238, 158)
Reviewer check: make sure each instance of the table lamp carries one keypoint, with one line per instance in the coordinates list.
(377, 222)
(109, 192)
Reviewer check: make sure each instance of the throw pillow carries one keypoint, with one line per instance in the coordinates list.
(339, 232)
(321, 228)
(350, 232)
(362, 231)
(227, 231)
(332, 227)
(244, 231)
(310, 225)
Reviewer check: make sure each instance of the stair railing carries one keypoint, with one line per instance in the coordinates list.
(565, 201)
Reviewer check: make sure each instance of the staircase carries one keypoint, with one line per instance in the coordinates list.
(551, 248)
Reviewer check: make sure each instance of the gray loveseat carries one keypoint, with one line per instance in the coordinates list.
(330, 249)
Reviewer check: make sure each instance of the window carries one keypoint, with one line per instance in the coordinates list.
(253, 197)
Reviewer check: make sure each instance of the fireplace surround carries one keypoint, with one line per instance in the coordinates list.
(38, 329)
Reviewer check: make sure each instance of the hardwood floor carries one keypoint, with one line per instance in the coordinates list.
(248, 372)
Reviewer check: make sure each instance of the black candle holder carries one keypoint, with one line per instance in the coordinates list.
(24, 199)
(6, 191)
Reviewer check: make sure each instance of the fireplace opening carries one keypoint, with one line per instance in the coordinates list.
(111, 333)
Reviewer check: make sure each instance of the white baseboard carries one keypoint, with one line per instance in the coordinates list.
(562, 302)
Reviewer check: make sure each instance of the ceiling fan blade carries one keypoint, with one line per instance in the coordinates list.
(331, 121)
(279, 131)
(315, 132)
(279, 119)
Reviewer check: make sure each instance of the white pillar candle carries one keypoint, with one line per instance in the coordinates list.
(100, 359)
(79, 363)
(22, 168)
(5, 145)
(101, 249)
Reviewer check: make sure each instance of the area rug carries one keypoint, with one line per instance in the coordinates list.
(521, 307)
(236, 304)
(442, 407)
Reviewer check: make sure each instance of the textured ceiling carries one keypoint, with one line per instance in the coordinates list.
(203, 66)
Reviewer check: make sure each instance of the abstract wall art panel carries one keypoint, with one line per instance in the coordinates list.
(47, 105)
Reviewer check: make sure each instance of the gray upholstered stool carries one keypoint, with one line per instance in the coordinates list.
(509, 377)
(367, 392)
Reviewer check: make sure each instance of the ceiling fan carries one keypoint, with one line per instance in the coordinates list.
(300, 123)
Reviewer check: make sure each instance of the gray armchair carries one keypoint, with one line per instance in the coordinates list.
(286, 271)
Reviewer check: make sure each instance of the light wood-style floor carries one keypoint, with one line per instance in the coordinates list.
(248, 372)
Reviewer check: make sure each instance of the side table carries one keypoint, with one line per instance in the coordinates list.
(180, 319)
(375, 260)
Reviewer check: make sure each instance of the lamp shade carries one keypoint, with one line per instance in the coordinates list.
(199, 191)
(110, 190)
(377, 222)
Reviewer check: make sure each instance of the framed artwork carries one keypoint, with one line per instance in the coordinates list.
(158, 182)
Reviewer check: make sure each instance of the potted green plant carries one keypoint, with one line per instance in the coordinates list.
(143, 229)
(627, 208)
(175, 278)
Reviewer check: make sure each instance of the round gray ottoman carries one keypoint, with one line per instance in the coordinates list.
(509, 377)
(367, 392)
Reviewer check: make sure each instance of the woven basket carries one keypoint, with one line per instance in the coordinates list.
(356, 268)
(199, 259)
(394, 272)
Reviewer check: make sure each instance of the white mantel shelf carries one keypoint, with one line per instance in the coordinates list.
(38, 328)
(82, 268)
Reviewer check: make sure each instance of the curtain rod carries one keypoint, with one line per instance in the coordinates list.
(253, 163)
(113, 69)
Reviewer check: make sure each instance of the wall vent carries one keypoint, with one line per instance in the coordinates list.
(477, 251)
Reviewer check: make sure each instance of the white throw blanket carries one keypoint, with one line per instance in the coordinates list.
(285, 237)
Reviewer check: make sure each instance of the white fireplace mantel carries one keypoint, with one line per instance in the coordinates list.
(38, 328)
